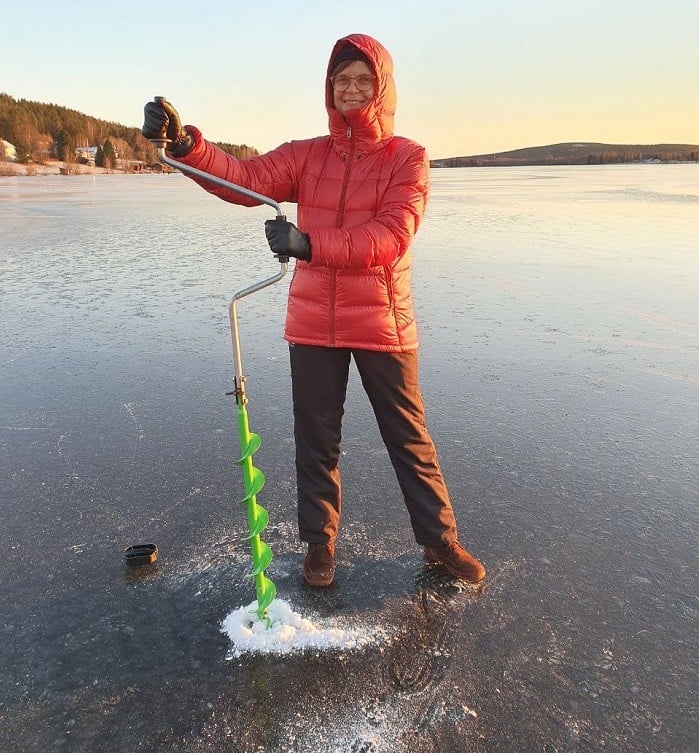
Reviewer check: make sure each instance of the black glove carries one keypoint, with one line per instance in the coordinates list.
(161, 121)
(285, 239)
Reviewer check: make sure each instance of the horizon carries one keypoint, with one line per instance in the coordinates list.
(542, 74)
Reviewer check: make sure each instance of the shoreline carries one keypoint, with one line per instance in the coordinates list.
(16, 169)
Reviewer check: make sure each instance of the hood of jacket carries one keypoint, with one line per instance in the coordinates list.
(372, 124)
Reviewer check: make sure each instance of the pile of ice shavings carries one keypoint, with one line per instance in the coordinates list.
(289, 632)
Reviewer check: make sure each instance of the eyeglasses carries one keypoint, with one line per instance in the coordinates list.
(341, 83)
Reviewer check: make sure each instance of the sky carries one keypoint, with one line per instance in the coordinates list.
(472, 77)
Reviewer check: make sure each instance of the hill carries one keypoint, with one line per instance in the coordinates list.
(578, 153)
(40, 132)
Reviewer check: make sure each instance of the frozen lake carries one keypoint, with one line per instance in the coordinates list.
(558, 320)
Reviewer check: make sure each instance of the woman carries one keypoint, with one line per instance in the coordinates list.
(361, 194)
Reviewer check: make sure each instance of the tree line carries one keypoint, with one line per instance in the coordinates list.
(616, 157)
(537, 156)
(40, 132)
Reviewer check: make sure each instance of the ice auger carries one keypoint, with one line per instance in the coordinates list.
(253, 478)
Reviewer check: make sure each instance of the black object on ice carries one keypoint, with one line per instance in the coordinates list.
(141, 554)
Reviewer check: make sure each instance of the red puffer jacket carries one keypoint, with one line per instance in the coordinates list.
(361, 194)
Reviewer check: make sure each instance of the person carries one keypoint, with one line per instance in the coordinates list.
(360, 193)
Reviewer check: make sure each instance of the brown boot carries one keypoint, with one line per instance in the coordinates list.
(457, 561)
(319, 565)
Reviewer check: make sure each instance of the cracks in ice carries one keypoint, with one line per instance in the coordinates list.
(141, 433)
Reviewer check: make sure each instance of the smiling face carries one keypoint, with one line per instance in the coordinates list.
(352, 98)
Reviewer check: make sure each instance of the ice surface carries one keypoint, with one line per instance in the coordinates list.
(559, 365)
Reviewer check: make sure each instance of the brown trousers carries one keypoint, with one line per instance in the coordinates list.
(319, 382)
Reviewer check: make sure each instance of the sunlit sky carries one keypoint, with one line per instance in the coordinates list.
(472, 77)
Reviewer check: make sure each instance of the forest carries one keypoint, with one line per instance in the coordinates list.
(43, 132)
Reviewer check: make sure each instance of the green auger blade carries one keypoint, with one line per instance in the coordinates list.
(256, 484)
(259, 525)
(254, 444)
(260, 563)
(258, 517)
(267, 595)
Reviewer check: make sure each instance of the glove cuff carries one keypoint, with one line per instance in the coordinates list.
(308, 252)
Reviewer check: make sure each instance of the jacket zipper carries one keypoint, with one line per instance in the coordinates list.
(340, 218)
(343, 191)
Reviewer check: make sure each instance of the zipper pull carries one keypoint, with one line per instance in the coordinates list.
(349, 132)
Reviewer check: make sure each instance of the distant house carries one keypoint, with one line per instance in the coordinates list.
(7, 151)
(132, 165)
(86, 154)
